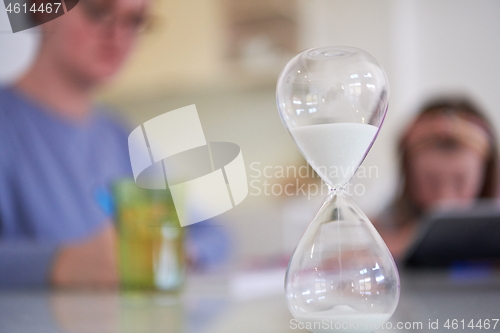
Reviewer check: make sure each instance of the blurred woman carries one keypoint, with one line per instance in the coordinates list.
(448, 157)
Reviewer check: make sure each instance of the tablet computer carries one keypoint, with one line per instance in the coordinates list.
(459, 235)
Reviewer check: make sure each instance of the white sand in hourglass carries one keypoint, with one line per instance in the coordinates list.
(342, 318)
(335, 150)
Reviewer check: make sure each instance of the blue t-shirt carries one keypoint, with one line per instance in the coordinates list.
(55, 182)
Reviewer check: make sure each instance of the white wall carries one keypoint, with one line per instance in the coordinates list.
(458, 47)
(16, 50)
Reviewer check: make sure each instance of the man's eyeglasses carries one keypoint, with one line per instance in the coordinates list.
(103, 15)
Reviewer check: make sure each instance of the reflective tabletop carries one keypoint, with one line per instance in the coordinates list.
(430, 301)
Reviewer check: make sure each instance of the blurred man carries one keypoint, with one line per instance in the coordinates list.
(59, 154)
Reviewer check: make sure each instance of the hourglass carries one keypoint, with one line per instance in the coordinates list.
(341, 276)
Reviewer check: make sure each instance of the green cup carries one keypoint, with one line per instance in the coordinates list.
(151, 240)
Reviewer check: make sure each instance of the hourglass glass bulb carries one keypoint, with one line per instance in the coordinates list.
(341, 276)
(333, 101)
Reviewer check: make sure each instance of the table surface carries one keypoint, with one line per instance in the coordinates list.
(208, 305)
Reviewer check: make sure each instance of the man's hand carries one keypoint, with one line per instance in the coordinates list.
(91, 263)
